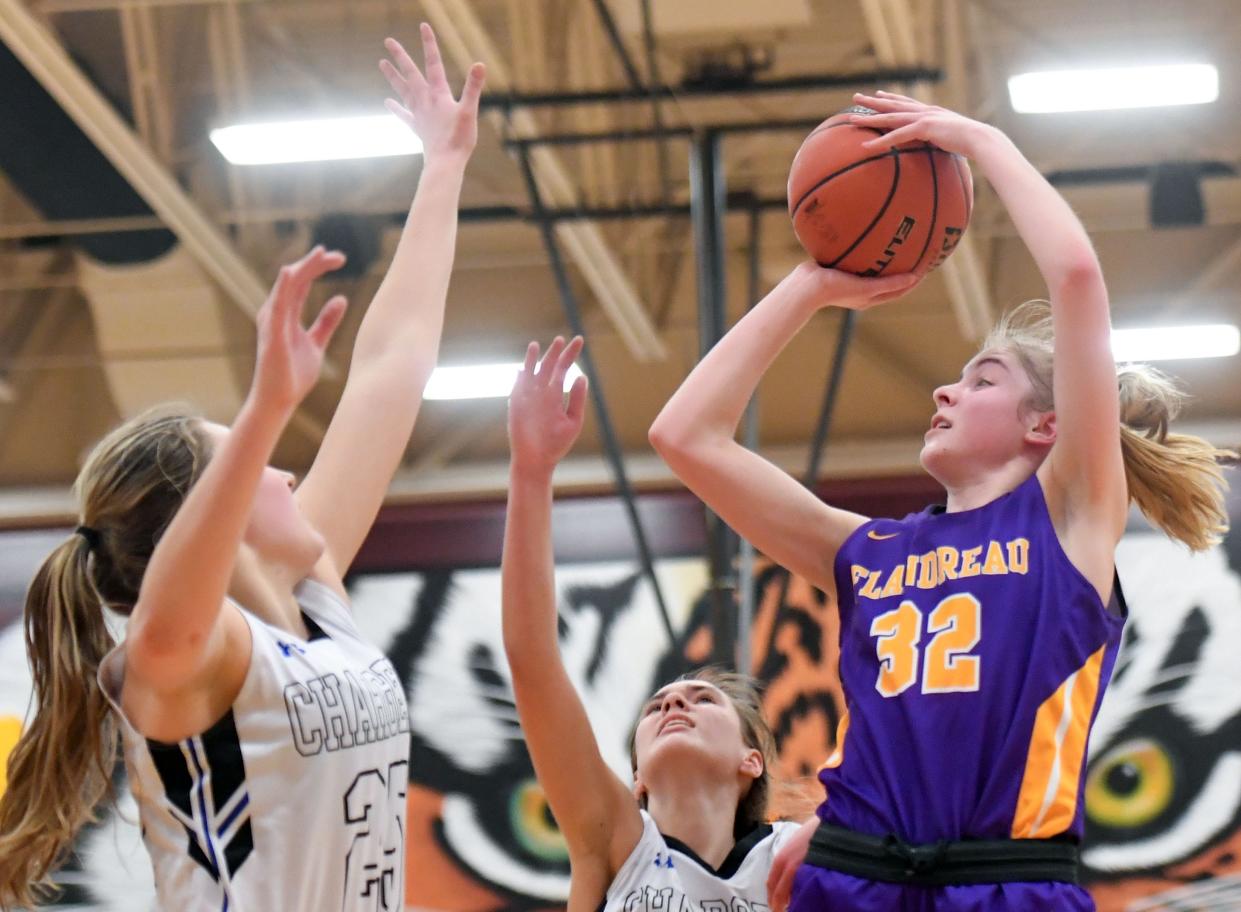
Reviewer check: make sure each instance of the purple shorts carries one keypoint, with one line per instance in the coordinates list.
(818, 890)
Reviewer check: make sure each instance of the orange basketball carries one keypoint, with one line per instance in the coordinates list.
(877, 213)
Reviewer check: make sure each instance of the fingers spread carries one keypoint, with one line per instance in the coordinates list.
(548, 365)
(532, 358)
(565, 361)
(884, 102)
(577, 400)
(896, 137)
(401, 58)
(473, 87)
(280, 289)
(896, 96)
(885, 121)
(311, 267)
(431, 59)
(395, 79)
(328, 320)
(401, 112)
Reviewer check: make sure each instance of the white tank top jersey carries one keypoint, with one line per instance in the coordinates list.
(663, 874)
(294, 801)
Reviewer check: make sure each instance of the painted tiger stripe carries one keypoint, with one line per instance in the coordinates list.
(1047, 802)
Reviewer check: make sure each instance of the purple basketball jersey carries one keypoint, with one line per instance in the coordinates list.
(973, 656)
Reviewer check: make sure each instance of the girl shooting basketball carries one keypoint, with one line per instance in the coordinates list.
(693, 828)
(266, 742)
(977, 639)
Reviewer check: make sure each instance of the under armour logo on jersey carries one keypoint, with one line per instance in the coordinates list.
(663, 862)
(289, 648)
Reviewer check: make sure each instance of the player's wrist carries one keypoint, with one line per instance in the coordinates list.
(528, 471)
(808, 289)
(986, 143)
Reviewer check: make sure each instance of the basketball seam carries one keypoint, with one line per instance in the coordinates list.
(819, 129)
(845, 124)
(846, 169)
(896, 179)
(930, 231)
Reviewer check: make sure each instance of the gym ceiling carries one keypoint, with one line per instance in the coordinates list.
(132, 255)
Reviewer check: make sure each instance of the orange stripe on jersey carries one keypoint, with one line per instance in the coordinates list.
(838, 755)
(1047, 802)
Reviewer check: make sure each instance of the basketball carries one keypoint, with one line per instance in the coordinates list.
(876, 212)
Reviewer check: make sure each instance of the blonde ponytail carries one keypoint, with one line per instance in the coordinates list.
(1176, 480)
(61, 768)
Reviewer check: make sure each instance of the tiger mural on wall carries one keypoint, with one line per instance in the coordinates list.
(794, 651)
(480, 834)
(1163, 794)
(1163, 782)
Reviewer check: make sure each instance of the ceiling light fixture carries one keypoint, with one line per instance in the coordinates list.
(1119, 87)
(324, 139)
(479, 381)
(1174, 343)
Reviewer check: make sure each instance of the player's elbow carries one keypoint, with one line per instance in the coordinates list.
(166, 656)
(675, 446)
(663, 435)
(676, 436)
(1081, 271)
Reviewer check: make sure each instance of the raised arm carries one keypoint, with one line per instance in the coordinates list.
(1085, 467)
(175, 638)
(594, 809)
(695, 432)
(399, 338)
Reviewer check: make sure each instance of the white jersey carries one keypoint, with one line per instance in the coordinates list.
(294, 801)
(663, 874)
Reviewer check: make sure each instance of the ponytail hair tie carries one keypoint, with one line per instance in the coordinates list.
(91, 536)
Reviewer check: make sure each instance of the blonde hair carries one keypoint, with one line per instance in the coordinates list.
(132, 484)
(1175, 479)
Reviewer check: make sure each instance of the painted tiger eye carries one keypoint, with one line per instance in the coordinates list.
(533, 825)
(1131, 785)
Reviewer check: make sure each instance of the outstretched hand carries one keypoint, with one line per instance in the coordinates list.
(446, 126)
(289, 355)
(542, 425)
(906, 119)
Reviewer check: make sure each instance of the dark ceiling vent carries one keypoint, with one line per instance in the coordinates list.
(60, 172)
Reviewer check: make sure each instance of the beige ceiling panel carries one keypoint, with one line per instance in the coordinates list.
(160, 335)
(696, 16)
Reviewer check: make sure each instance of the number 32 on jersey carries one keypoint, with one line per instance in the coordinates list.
(946, 667)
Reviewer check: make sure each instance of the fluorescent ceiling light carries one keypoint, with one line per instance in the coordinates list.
(479, 381)
(325, 139)
(1174, 343)
(1107, 89)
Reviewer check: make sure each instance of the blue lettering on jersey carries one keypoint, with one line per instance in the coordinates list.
(289, 648)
